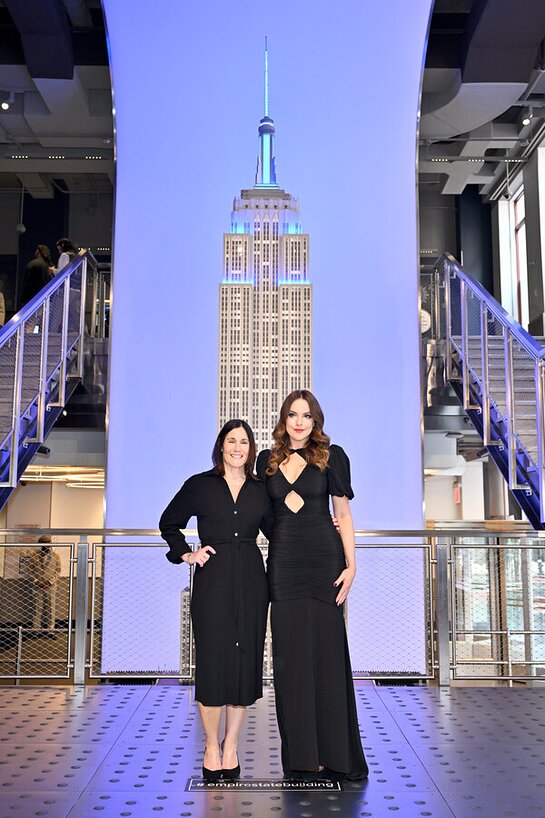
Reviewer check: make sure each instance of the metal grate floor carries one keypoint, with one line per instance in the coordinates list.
(134, 751)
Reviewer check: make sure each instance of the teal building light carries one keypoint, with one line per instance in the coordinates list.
(266, 170)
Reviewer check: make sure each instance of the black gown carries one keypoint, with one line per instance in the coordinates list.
(230, 598)
(315, 699)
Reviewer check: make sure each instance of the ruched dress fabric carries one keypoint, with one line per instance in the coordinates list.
(230, 599)
(315, 700)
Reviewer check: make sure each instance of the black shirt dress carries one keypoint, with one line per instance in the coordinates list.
(230, 598)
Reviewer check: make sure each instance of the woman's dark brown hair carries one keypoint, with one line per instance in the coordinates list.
(317, 448)
(67, 246)
(217, 453)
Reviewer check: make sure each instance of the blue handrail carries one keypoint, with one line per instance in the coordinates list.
(513, 432)
(522, 337)
(10, 327)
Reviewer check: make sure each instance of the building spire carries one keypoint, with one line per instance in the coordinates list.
(266, 171)
(266, 111)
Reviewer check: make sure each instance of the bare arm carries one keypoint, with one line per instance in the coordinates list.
(341, 510)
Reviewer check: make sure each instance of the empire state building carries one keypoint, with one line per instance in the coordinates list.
(265, 315)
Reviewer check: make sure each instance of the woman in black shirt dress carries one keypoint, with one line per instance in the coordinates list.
(310, 570)
(230, 599)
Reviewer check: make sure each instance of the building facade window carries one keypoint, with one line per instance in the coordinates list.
(521, 264)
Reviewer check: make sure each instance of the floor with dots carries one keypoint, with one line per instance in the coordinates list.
(116, 750)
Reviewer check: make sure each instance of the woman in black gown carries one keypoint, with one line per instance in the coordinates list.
(310, 570)
(230, 598)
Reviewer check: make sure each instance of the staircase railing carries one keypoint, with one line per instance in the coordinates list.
(41, 356)
(497, 370)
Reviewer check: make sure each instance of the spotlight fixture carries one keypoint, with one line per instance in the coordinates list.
(528, 116)
(8, 99)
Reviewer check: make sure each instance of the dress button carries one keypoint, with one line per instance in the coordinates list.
(236, 533)
(235, 512)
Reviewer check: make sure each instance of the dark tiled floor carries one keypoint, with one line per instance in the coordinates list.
(131, 751)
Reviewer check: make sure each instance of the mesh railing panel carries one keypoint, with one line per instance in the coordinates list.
(472, 601)
(35, 610)
(7, 381)
(432, 305)
(33, 331)
(524, 393)
(115, 573)
(387, 629)
(54, 346)
(496, 365)
(473, 329)
(426, 303)
(74, 307)
(497, 617)
(160, 609)
(129, 598)
(97, 303)
(455, 310)
(499, 612)
(525, 603)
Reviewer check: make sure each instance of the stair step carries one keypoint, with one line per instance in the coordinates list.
(498, 338)
(494, 345)
(526, 426)
(524, 383)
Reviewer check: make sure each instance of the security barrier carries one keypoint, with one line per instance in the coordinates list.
(36, 610)
(482, 607)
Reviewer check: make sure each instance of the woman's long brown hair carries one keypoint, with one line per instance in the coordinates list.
(317, 448)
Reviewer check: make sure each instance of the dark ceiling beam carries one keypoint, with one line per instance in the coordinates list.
(46, 37)
(502, 40)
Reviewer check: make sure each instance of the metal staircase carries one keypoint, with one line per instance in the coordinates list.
(41, 363)
(496, 369)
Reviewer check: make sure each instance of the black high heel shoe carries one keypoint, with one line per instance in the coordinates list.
(234, 772)
(211, 776)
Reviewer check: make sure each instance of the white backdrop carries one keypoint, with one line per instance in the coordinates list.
(187, 86)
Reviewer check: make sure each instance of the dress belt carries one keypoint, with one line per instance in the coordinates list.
(232, 541)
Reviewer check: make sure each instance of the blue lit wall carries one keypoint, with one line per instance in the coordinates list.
(188, 85)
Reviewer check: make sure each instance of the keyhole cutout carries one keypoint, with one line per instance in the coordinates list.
(294, 501)
(292, 468)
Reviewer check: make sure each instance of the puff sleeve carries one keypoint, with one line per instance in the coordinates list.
(338, 473)
(176, 516)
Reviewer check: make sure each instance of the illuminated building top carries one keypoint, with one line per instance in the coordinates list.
(266, 171)
(265, 315)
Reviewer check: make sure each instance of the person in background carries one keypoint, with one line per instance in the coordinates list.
(37, 273)
(67, 251)
(44, 567)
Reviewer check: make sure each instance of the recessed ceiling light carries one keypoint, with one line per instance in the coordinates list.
(528, 116)
(8, 100)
